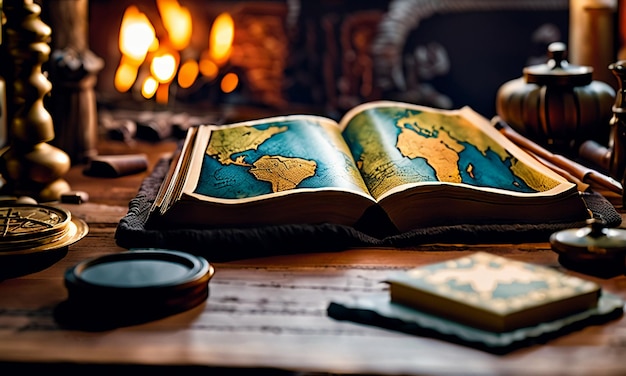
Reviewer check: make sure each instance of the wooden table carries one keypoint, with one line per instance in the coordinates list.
(268, 315)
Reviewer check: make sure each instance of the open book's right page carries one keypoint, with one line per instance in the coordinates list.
(454, 158)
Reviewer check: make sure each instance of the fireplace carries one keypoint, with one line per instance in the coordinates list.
(326, 56)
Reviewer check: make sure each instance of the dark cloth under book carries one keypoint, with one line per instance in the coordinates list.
(223, 244)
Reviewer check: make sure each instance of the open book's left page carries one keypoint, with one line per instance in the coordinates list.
(288, 169)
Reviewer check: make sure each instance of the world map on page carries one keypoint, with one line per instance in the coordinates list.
(394, 146)
(251, 161)
(391, 145)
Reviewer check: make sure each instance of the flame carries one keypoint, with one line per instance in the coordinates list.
(125, 76)
(188, 73)
(207, 67)
(149, 87)
(138, 44)
(137, 35)
(163, 66)
(229, 82)
(136, 38)
(163, 93)
(177, 21)
(221, 38)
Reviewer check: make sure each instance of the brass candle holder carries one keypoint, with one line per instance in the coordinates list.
(28, 164)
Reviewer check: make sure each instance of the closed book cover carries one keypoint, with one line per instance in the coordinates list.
(493, 293)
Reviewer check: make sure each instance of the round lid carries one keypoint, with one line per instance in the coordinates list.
(139, 269)
(558, 71)
(132, 287)
(140, 279)
(595, 240)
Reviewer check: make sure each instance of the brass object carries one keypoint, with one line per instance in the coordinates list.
(557, 103)
(612, 157)
(594, 249)
(27, 229)
(29, 165)
(3, 92)
(617, 141)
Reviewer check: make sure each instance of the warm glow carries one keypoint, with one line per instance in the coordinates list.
(177, 22)
(229, 82)
(141, 49)
(137, 35)
(149, 87)
(163, 94)
(221, 38)
(208, 68)
(125, 76)
(188, 73)
(163, 67)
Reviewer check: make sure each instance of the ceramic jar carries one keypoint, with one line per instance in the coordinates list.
(557, 104)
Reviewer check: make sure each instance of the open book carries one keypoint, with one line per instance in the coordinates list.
(422, 166)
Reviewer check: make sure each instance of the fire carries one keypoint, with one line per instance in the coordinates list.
(177, 22)
(188, 73)
(221, 38)
(125, 76)
(149, 87)
(139, 45)
(137, 37)
(229, 83)
(163, 67)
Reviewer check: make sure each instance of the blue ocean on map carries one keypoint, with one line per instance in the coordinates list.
(303, 141)
(476, 169)
(230, 181)
(489, 170)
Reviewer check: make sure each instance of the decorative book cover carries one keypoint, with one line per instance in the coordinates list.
(493, 293)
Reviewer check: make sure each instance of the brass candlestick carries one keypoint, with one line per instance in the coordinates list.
(617, 142)
(29, 165)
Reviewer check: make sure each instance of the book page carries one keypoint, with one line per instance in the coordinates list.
(276, 156)
(399, 145)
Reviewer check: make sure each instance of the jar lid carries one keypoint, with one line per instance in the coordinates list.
(594, 246)
(136, 286)
(558, 71)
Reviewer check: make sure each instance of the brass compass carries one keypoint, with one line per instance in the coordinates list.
(28, 228)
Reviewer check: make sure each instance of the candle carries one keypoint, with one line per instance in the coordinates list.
(591, 36)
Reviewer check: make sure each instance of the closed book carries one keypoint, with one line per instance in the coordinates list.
(493, 293)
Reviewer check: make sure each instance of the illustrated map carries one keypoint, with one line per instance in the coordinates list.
(386, 147)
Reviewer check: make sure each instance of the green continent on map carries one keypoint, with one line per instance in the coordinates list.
(236, 140)
(282, 172)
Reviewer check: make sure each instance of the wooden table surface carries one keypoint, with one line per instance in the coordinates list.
(268, 315)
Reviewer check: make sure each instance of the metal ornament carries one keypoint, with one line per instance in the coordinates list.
(595, 249)
(31, 228)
